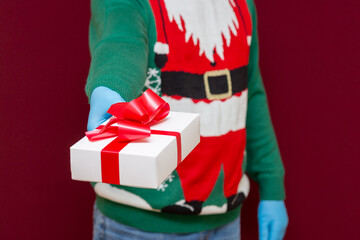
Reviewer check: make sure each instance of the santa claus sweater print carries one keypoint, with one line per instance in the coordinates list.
(202, 57)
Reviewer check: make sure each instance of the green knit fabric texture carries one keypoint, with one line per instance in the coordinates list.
(119, 45)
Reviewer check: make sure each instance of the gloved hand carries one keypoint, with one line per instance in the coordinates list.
(273, 220)
(100, 101)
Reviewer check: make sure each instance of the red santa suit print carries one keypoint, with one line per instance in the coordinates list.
(203, 52)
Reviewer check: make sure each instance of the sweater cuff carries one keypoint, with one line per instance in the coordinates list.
(110, 81)
(271, 187)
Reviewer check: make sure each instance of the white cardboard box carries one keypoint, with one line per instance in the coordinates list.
(142, 163)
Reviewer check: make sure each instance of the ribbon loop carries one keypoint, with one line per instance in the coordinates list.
(136, 112)
(132, 118)
(155, 107)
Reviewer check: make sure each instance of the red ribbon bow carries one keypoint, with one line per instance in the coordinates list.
(133, 122)
(132, 118)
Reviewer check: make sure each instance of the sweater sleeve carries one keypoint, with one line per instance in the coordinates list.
(264, 164)
(119, 49)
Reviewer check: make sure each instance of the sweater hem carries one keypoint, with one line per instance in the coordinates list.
(163, 222)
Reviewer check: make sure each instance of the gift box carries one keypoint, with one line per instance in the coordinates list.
(143, 162)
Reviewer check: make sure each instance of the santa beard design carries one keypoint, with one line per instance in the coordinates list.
(202, 24)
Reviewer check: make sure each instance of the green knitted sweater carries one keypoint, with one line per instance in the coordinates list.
(121, 38)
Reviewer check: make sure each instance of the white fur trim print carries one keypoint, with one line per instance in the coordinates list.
(244, 185)
(161, 48)
(217, 117)
(121, 196)
(249, 39)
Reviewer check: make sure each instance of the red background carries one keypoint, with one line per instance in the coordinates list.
(310, 64)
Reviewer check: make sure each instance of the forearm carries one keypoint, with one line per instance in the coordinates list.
(264, 160)
(119, 47)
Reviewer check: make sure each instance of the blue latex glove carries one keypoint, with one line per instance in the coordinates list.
(100, 101)
(273, 220)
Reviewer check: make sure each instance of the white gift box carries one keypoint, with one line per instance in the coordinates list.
(142, 163)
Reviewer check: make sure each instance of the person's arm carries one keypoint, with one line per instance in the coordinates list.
(264, 164)
(119, 50)
(119, 46)
(264, 161)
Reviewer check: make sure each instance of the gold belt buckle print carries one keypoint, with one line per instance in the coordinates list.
(217, 73)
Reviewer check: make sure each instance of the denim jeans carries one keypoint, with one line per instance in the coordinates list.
(107, 229)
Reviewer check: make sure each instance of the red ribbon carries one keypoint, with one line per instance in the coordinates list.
(133, 122)
(132, 118)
